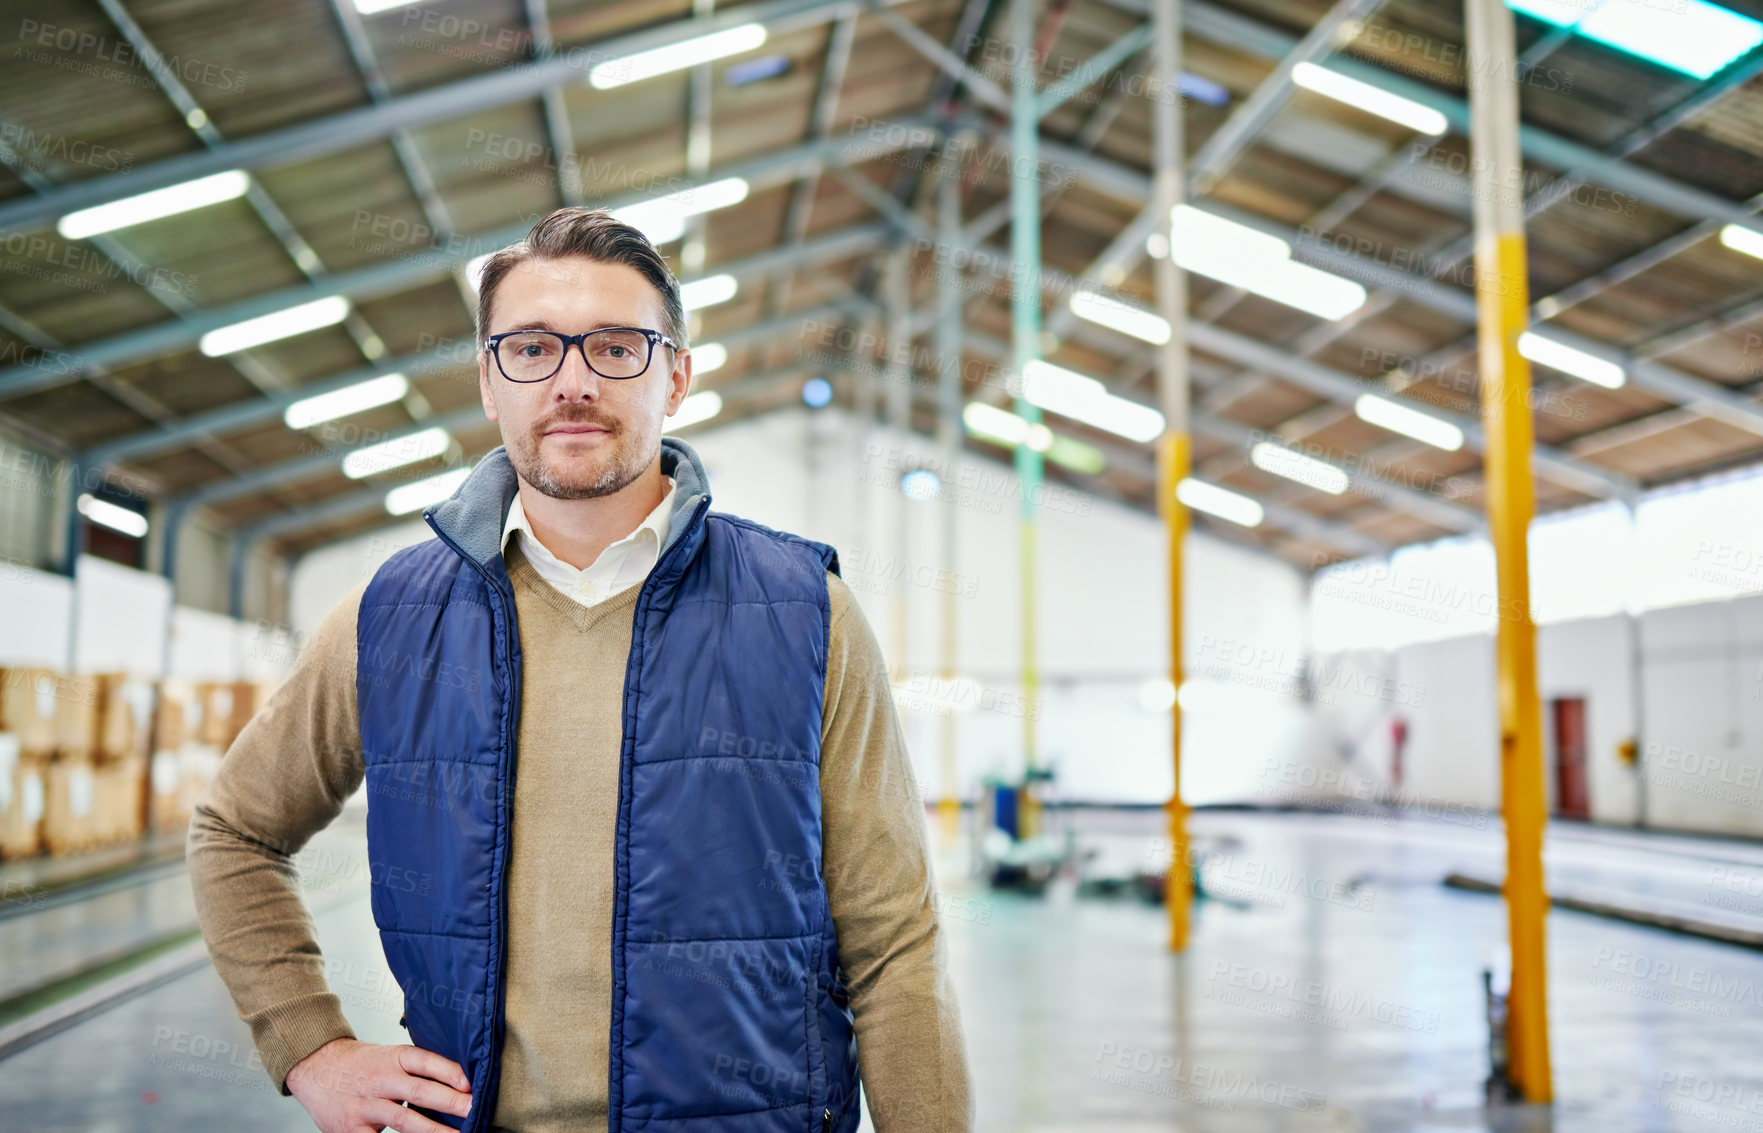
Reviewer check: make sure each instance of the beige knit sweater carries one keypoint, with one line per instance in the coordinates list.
(290, 770)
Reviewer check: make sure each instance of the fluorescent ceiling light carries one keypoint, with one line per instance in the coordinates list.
(988, 422)
(1307, 470)
(1076, 455)
(370, 7)
(1560, 356)
(407, 498)
(1691, 36)
(117, 518)
(160, 203)
(269, 328)
(396, 453)
(1221, 502)
(695, 408)
(676, 56)
(708, 357)
(1147, 326)
(1070, 394)
(708, 292)
(1408, 422)
(1372, 100)
(1742, 239)
(1245, 257)
(663, 219)
(361, 396)
(921, 484)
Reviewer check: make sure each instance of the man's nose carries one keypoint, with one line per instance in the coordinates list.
(575, 381)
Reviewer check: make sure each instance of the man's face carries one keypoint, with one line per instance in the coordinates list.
(578, 435)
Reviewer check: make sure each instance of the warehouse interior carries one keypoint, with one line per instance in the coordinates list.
(1302, 461)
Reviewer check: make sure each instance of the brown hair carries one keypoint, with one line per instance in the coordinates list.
(601, 237)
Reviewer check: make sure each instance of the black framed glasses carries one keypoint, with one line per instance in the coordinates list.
(611, 352)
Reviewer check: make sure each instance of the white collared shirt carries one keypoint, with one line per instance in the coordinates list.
(622, 565)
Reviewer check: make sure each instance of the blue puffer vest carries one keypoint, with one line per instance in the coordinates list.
(728, 1011)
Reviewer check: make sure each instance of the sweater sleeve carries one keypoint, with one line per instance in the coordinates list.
(911, 1054)
(283, 780)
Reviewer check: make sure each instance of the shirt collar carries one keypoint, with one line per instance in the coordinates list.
(655, 525)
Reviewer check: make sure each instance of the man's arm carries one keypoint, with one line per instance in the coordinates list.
(284, 779)
(876, 861)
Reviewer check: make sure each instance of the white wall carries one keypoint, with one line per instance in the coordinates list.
(36, 630)
(1701, 729)
(1703, 710)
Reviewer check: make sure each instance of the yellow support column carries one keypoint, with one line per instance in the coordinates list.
(1502, 305)
(1172, 448)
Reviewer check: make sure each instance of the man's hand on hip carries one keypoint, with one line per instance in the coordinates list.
(350, 1087)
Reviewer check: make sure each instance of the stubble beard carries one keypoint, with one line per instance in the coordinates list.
(617, 465)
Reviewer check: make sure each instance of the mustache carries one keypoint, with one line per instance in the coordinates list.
(577, 416)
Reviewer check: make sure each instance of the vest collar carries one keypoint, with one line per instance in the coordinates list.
(473, 516)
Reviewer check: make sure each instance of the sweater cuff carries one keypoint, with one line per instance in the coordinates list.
(291, 1030)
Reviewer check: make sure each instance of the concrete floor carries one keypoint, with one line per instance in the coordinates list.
(1332, 984)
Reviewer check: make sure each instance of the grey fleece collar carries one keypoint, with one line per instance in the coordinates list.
(472, 517)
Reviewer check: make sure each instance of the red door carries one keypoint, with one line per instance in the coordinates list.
(1572, 794)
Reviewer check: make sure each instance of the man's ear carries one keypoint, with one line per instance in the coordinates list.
(681, 380)
(483, 385)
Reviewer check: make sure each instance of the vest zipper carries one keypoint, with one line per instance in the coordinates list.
(620, 898)
(826, 1120)
(481, 1113)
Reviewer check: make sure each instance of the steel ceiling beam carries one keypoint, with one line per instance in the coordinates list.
(351, 128)
(404, 271)
(1392, 493)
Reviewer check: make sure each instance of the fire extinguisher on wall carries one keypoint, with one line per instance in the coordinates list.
(1398, 741)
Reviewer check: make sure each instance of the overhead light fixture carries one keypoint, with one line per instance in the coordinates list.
(756, 70)
(1082, 398)
(676, 56)
(695, 408)
(1398, 418)
(1221, 502)
(396, 453)
(156, 205)
(1742, 239)
(269, 328)
(372, 7)
(1146, 326)
(1691, 36)
(1077, 456)
(1293, 465)
(1255, 261)
(374, 392)
(708, 357)
(1002, 427)
(114, 516)
(407, 498)
(663, 220)
(920, 484)
(989, 423)
(708, 292)
(1569, 360)
(1371, 99)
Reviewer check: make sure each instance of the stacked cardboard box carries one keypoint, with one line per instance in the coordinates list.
(178, 722)
(125, 720)
(28, 711)
(21, 801)
(70, 823)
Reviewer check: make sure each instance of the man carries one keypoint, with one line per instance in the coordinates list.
(645, 847)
